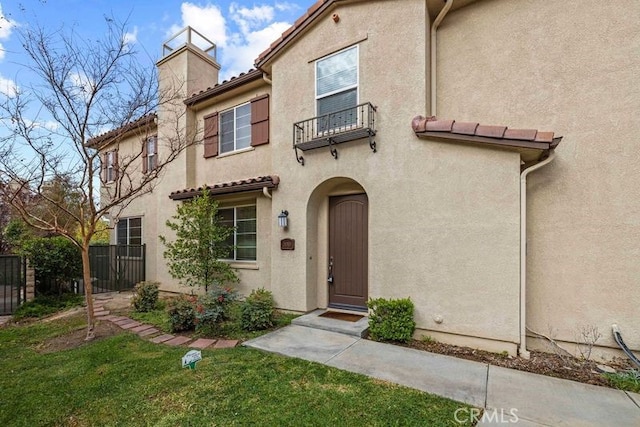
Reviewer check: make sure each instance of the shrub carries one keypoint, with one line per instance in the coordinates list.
(257, 310)
(391, 319)
(146, 296)
(213, 307)
(182, 314)
(56, 262)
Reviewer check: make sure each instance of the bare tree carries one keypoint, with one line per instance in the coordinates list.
(89, 95)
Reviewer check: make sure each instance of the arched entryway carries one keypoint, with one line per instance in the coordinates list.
(338, 219)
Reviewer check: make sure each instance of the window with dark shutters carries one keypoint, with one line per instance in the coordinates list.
(260, 120)
(211, 135)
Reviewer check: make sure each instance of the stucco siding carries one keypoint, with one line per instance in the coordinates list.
(570, 67)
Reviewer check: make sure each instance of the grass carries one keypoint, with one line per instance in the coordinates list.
(47, 304)
(125, 380)
(628, 380)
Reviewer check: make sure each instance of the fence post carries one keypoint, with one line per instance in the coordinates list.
(30, 279)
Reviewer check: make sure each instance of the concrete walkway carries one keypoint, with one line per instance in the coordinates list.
(506, 394)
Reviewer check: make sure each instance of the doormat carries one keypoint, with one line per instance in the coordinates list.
(348, 317)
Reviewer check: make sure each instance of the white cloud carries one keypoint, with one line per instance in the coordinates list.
(285, 6)
(207, 20)
(6, 26)
(251, 19)
(241, 33)
(131, 37)
(240, 56)
(8, 87)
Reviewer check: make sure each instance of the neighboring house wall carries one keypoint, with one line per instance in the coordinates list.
(571, 67)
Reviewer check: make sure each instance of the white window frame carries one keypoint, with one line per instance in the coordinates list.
(344, 89)
(235, 128)
(110, 169)
(127, 220)
(152, 156)
(235, 234)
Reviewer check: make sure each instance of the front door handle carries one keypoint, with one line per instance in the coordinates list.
(330, 278)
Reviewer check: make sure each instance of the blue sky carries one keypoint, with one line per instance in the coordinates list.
(240, 29)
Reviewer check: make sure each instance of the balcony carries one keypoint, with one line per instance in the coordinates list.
(335, 128)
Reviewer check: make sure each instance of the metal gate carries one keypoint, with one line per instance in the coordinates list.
(115, 267)
(13, 284)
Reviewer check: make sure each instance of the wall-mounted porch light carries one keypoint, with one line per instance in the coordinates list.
(283, 219)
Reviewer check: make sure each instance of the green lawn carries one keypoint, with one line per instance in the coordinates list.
(125, 380)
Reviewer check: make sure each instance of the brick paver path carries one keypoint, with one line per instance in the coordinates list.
(152, 333)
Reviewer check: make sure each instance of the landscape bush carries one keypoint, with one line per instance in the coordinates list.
(391, 319)
(257, 310)
(145, 297)
(182, 313)
(213, 307)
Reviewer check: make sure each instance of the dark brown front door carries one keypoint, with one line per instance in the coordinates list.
(348, 249)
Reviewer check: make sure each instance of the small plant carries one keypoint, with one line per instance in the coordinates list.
(213, 307)
(586, 337)
(146, 296)
(625, 380)
(391, 319)
(182, 313)
(257, 310)
(428, 339)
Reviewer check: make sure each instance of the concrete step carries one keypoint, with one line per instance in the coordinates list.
(314, 320)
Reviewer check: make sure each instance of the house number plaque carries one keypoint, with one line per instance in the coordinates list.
(287, 245)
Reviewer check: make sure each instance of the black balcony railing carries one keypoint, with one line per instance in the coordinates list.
(335, 128)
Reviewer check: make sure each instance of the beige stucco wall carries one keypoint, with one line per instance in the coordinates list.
(571, 67)
(443, 218)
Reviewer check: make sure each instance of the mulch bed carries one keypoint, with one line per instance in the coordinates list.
(553, 365)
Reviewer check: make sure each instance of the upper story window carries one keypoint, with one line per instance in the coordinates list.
(244, 239)
(150, 154)
(243, 126)
(110, 166)
(235, 128)
(337, 89)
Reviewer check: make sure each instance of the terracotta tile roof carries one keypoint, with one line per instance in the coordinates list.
(226, 85)
(146, 120)
(249, 184)
(475, 132)
(309, 16)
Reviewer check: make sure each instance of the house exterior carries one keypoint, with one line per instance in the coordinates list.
(481, 160)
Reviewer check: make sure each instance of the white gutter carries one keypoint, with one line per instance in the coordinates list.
(434, 29)
(266, 79)
(522, 351)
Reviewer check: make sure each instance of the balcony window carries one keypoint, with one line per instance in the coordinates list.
(337, 89)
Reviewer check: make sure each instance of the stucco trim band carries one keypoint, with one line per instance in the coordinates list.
(241, 186)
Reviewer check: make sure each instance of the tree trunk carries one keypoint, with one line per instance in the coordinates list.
(88, 292)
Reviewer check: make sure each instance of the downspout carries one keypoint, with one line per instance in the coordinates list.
(265, 191)
(522, 351)
(266, 79)
(434, 29)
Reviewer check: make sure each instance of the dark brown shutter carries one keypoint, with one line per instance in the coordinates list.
(260, 120)
(115, 165)
(145, 154)
(211, 135)
(103, 166)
